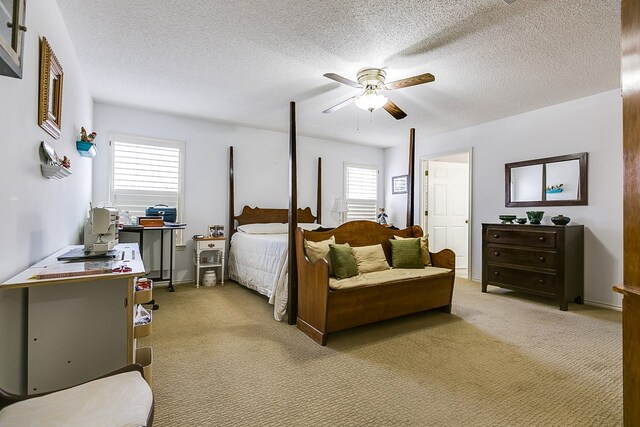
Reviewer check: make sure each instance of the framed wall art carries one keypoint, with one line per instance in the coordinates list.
(399, 184)
(50, 100)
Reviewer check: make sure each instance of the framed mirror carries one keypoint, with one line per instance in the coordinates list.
(50, 102)
(554, 181)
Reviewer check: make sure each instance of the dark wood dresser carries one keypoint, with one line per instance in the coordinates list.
(546, 260)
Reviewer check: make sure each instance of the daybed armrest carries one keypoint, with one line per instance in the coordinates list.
(313, 285)
(446, 258)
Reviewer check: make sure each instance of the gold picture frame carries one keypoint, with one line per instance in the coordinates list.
(51, 79)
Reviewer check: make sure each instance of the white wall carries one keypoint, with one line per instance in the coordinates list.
(40, 215)
(592, 124)
(261, 167)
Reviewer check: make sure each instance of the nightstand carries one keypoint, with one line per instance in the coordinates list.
(211, 251)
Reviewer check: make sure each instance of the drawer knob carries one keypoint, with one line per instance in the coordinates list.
(497, 273)
(496, 253)
(541, 281)
(542, 259)
(541, 238)
(497, 236)
(211, 245)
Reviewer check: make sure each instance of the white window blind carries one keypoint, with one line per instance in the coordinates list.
(146, 168)
(361, 191)
(146, 172)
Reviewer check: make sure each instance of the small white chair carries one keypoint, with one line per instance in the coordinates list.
(118, 399)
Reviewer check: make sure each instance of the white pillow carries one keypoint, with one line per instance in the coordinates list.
(308, 225)
(266, 228)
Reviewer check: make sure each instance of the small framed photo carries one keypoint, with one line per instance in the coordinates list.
(215, 231)
(399, 184)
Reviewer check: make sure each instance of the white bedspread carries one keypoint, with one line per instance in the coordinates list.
(259, 262)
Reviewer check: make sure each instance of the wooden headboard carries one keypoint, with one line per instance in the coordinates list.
(256, 215)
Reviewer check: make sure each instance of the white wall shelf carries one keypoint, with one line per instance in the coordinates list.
(54, 171)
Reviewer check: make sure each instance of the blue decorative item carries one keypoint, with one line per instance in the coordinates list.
(535, 216)
(86, 149)
(554, 189)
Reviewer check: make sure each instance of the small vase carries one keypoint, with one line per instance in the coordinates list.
(535, 216)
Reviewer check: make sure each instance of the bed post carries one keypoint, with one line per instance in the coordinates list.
(412, 153)
(292, 303)
(231, 196)
(319, 193)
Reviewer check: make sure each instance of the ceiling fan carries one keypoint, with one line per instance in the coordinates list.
(372, 81)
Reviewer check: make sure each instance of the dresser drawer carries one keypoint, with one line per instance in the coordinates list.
(207, 245)
(527, 257)
(522, 279)
(534, 238)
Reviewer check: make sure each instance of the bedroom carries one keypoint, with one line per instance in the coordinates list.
(48, 214)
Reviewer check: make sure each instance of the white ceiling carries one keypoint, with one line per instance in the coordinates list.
(243, 61)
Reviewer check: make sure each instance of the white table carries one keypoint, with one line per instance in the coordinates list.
(78, 327)
(203, 245)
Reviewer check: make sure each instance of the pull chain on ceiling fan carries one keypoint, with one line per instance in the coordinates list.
(372, 81)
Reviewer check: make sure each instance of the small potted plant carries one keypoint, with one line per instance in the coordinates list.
(86, 147)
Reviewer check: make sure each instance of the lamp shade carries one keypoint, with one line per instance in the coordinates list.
(370, 100)
(339, 205)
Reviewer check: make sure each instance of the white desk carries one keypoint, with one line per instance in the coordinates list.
(78, 327)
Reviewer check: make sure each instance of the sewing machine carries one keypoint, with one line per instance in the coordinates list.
(101, 230)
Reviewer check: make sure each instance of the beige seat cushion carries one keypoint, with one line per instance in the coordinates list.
(319, 250)
(386, 276)
(370, 258)
(424, 245)
(116, 401)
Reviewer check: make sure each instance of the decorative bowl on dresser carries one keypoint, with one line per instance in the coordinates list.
(560, 220)
(545, 260)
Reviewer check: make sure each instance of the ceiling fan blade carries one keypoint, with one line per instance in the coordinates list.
(394, 110)
(340, 105)
(411, 81)
(342, 80)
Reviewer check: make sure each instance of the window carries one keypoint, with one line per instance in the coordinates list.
(361, 192)
(146, 172)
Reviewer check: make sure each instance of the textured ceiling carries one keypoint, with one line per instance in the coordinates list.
(243, 61)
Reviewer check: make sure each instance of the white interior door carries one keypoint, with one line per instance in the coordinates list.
(448, 208)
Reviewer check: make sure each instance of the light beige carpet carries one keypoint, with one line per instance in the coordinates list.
(500, 359)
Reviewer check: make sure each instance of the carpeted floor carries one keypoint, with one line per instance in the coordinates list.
(500, 359)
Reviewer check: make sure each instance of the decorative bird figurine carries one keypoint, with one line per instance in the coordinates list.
(86, 138)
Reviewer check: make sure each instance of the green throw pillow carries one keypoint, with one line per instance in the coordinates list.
(344, 264)
(406, 253)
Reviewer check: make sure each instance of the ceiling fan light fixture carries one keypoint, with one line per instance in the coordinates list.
(370, 100)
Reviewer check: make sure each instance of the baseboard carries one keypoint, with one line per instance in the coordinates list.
(587, 302)
(601, 305)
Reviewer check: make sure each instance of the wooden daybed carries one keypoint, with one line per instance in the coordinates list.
(323, 310)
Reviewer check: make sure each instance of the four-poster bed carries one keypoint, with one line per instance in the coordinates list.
(263, 241)
(259, 256)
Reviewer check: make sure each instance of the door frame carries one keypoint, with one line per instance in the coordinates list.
(423, 162)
